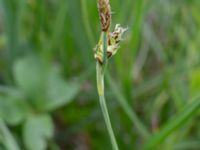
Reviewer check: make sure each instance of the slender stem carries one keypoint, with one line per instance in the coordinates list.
(100, 87)
(108, 122)
(100, 69)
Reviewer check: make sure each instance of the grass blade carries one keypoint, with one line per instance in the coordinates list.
(177, 122)
(86, 23)
(131, 114)
(9, 141)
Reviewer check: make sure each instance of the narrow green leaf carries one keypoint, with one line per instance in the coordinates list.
(87, 23)
(124, 104)
(194, 81)
(175, 123)
(9, 141)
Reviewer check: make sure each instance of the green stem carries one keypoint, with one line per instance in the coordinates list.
(100, 87)
(104, 41)
(100, 69)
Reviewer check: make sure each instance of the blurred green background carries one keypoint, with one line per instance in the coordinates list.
(48, 97)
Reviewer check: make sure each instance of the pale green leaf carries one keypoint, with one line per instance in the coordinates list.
(29, 75)
(36, 132)
(59, 92)
(8, 139)
(13, 107)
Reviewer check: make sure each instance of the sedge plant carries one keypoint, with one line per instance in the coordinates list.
(105, 49)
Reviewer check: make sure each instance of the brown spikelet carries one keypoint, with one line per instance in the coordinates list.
(105, 14)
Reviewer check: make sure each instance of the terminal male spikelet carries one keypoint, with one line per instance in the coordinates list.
(105, 14)
(113, 38)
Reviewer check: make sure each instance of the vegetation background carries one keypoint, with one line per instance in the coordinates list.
(48, 96)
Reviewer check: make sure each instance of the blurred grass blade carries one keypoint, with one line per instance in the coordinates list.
(86, 22)
(136, 26)
(77, 29)
(59, 25)
(11, 35)
(131, 114)
(21, 9)
(133, 45)
(177, 122)
(185, 145)
(154, 42)
(11, 28)
(125, 11)
(8, 139)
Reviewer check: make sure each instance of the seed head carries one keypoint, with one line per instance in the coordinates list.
(105, 14)
(114, 39)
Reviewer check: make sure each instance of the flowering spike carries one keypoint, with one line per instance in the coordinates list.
(114, 39)
(105, 14)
